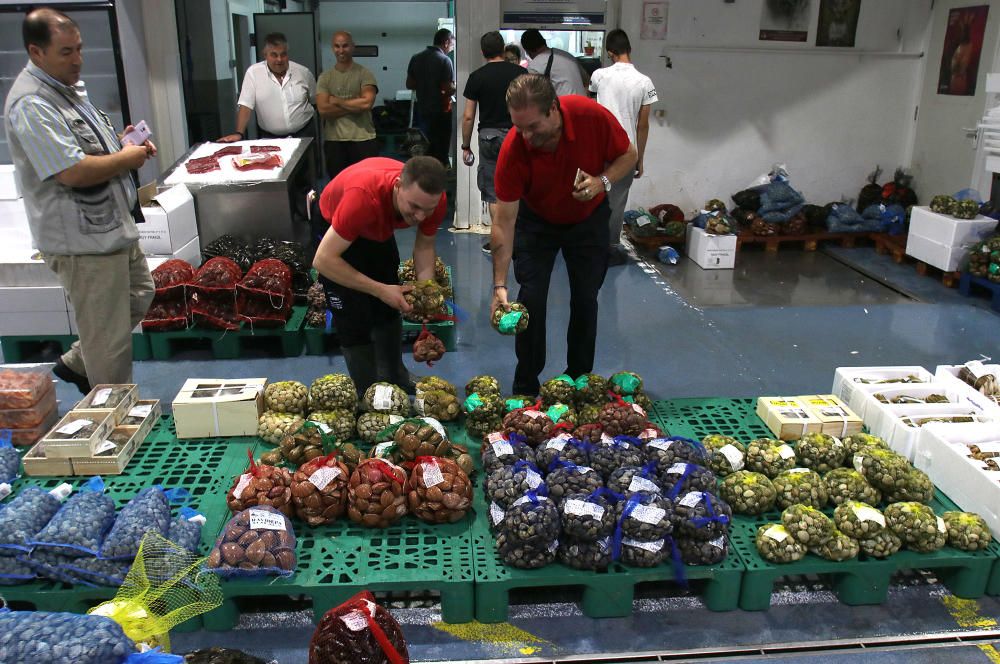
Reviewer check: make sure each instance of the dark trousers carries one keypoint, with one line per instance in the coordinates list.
(341, 154)
(356, 313)
(439, 136)
(584, 247)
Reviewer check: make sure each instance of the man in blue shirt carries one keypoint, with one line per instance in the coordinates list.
(431, 74)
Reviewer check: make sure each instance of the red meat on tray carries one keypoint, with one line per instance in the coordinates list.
(264, 148)
(256, 162)
(229, 149)
(202, 165)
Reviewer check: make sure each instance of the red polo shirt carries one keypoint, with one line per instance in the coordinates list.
(358, 202)
(592, 138)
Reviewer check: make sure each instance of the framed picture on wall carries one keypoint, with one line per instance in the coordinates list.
(838, 22)
(963, 46)
(785, 20)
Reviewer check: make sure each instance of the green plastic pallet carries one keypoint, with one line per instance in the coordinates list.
(18, 348)
(319, 340)
(993, 585)
(863, 580)
(228, 344)
(697, 418)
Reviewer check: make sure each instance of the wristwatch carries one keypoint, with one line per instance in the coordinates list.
(466, 147)
(607, 183)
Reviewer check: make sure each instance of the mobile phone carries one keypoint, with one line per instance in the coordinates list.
(139, 134)
(579, 177)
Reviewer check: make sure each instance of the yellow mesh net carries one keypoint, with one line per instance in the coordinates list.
(166, 586)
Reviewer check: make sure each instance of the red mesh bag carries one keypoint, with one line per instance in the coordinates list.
(212, 299)
(168, 310)
(171, 278)
(428, 348)
(264, 296)
(359, 631)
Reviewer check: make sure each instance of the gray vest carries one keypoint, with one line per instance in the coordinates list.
(67, 220)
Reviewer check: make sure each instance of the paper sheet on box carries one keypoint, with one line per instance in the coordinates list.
(228, 172)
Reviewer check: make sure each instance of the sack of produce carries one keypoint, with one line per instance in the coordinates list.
(371, 424)
(10, 461)
(427, 347)
(645, 553)
(264, 295)
(482, 384)
(319, 490)
(667, 451)
(169, 311)
(967, 531)
(482, 413)
(881, 545)
(377, 494)
(261, 485)
(589, 517)
(857, 441)
(220, 656)
(621, 418)
(15, 571)
(503, 450)
(680, 478)
(625, 383)
(645, 517)
(530, 423)
(702, 552)
(512, 321)
(508, 483)
(881, 467)
(25, 516)
(748, 492)
(292, 254)
(438, 490)
(776, 545)
(591, 389)
(272, 426)
(633, 479)
(333, 392)
(317, 311)
(230, 247)
(439, 404)
(820, 452)
(858, 519)
(914, 485)
(419, 437)
(359, 631)
(212, 294)
(565, 478)
(79, 527)
(20, 390)
(148, 511)
(769, 456)
(286, 396)
(916, 525)
(531, 520)
(185, 529)
(258, 541)
(807, 525)
(726, 455)
(386, 398)
(843, 484)
(837, 548)
(83, 571)
(701, 515)
(585, 554)
(562, 446)
(800, 485)
(561, 389)
(589, 434)
(610, 453)
(426, 299)
(525, 556)
(341, 423)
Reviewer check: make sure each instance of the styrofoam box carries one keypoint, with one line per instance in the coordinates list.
(170, 219)
(18, 299)
(903, 438)
(710, 252)
(854, 394)
(942, 453)
(947, 230)
(879, 417)
(948, 374)
(943, 257)
(190, 252)
(35, 323)
(10, 186)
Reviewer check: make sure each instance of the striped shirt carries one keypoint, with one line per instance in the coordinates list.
(48, 141)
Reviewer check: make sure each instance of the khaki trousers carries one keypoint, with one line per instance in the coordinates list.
(110, 293)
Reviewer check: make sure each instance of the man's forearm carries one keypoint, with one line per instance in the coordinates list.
(423, 259)
(623, 165)
(336, 269)
(242, 120)
(641, 135)
(467, 130)
(93, 170)
(355, 105)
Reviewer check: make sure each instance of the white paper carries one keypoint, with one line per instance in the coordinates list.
(5, 490)
(583, 508)
(322, 426)
(677, 469)
(502, 448)
(556, 444)
(432, 474)
(940, 525)
(534, 414)
(866, 513)
(495, 437)
(777, 533)
(691, 498)
(242, 485)
(640, 483)
(73, 427)
(142, 410)
(719, 543)
(648, 433)
(584, 469)
(382, 399)
(395, 419)
(436, 425)
(799, 471)
(323, 476)
(637, 408)
(101, 397)
(653, 547)
(607, 440)
(264, 520)
(786, 452)
(533, 479)
(418, 406)
(859, 462)
(648, 514)
(496, 513)
(106, 446)
(380, 449)
(355, 621)
(660, 444)
(733, 455)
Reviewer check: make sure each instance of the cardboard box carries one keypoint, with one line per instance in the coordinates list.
(170, 219)
(836, 417)
(112, 461)
(852, 384)
(787, 418)
(947, 230)
(19, 299)
(943, 257)
(101, 393)
(37, 464)
(10, 184)
(212, 407)
(710, 252)
(85, 444)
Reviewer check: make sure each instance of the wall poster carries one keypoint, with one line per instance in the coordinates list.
(963, 44)
(838, 22)
(785, 20)
(654, 20)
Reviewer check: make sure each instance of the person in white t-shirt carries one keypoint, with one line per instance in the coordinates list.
(629, 95)
(560, 67)
(280, 92)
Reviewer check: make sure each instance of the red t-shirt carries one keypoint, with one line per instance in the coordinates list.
(592, 137)
(358, 202)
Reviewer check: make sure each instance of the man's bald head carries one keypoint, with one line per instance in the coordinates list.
(343, 35)
(40, 24)
(343, 48)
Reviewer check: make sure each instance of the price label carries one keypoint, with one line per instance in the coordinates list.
(691, 499)
(583, 470)
(564, 437)
(638, 409)
(719, 543)
(652, 547)
(5, 490)
(859, 462)
(649, 514)
(104, 448)
(648, 433)
(355, 621)
(395, 419)
(381, 450)
(660, 444)
(640, 483)
(502, 448)
(556, 444)
(264, 520)
(432, 474)
(533, 479)
(940, 525)
(786, 452)
(323, 476)
(142, 410)
(418, 405)
(777, 533)
(322, 426)
(495, 437)
(101, 397)
(436, 425)
(242, 485)
(583, 508)
(382, 399)
(733, 456)
(496, 514)
(677, 469)
(798, 471)
(534, 414)
(866, 513)
(73, 427)
(607, 440)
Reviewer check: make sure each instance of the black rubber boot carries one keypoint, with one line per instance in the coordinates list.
(65, 373)
(388, 341)
(361, 366)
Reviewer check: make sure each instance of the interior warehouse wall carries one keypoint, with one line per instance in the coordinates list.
(730, 115)
(409, 28)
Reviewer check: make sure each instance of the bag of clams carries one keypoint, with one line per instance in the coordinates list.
(438, 490)
(261, 485)
(589, 517)
(508, 483)
(359, 631)
(528, 537)
(259, 541)
(500, 449)
(563, 446)
(377, 494)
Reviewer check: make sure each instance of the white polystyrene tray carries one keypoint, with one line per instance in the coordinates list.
(853, 394)
(903, 438)
(228, 172)
(880, 417)
(948, 373)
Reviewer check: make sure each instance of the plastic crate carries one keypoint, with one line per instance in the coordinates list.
(228, 345)
(697, 418)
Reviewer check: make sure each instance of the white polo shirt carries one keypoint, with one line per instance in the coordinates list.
(623, 90)
(282, 108)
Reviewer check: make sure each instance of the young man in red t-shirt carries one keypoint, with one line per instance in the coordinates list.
(358, 260)
(553, 174)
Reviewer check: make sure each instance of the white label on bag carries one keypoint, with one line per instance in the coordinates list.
(786, 452)
(496, 514)
(777, 533)
(677, 469)
(142, 410)
(323, 476)
(534, 414)
(101, 397)
(556, 444)
(495, 437)
(648, 514)
(859, 462)
(436, 425)
(242, 485)
(106, 446)
(637, 408)
(583, 508)
(381, 448)
(798, 471)
(652, 547)
(533, 479)
(502, 448)
(382, 399)
(642, 220)
(432, 474)
(733, 455)
(584, 469)
(866, 513)
(607, 440)
(395, 419)
(264, 520)
(639, 483)
(73, 427)
(648, 433)
(5, 490)
(719, 543)
(355, 621)
(691, 498)
(940, 525)
(322, 426)
(660, 444)
(418, 405)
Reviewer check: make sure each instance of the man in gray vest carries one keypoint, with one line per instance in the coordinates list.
(80, 197)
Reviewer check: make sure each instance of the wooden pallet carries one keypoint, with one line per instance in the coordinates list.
(949, 279)
(810, 241)
(890, 244)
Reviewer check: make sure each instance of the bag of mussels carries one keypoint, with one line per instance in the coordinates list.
(500, 449)
(611, 453)
(508, 483)
(359, 631)
(528, 537)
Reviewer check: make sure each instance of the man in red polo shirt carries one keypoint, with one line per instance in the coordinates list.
(358, 259)
(553, 174)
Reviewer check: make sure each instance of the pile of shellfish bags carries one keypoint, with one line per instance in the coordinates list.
(641, 500)
(84, 540)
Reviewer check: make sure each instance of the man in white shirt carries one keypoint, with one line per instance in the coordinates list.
(629, 95)
(557, 65)
(280, 91)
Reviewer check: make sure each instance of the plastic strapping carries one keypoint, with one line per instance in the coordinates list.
(616, 541)
(680, 575)
(178, 496)
(6, 436)
(674, 492)
(605, 492)
(701, 522)
(649, 470)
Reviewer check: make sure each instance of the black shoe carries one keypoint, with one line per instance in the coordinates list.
(617, 256)
(64, 373)
(487, 249)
